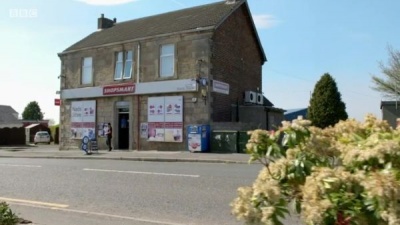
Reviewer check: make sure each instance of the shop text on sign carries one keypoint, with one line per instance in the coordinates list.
(119, 89)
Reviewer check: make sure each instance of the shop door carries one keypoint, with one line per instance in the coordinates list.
(123, 129)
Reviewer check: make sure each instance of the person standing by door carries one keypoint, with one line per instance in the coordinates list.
(109, 137)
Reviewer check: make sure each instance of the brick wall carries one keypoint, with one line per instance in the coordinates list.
(237, 60)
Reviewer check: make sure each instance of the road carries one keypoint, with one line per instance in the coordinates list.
(89, 192)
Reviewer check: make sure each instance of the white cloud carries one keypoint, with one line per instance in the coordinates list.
(265, 21)
(106, 2)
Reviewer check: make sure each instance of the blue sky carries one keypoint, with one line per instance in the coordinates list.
(302, 41)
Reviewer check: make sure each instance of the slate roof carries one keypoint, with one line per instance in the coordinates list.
(196, 18)
(292, 114)
(7, 114)
(267, 102)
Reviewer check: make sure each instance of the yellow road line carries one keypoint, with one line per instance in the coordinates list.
(48, 204)
(159, 222)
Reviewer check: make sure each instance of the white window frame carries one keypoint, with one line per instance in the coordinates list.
(121, 62)
(128, 61)
(87, 65)
(163, 57)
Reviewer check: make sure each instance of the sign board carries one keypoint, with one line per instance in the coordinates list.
(57, 101)
(128, 88)
(156, 87)
(220, 87)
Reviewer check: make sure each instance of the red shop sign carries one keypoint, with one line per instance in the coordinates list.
(119, 89)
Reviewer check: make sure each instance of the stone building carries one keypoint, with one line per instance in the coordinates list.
(157, 75)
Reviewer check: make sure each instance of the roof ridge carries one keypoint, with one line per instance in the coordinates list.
(174, 11)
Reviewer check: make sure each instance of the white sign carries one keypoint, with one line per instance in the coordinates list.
(220, 87)
(157, 87)
(83, 119)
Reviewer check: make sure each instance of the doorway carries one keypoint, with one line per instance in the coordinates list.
(123, 128)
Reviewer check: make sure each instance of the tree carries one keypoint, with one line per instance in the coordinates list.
(32, 112)
(326, 106)
(389, 87)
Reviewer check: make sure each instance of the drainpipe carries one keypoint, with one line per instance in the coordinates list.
(138, 98)
(267, 118)
(138, 122)
(138, 64)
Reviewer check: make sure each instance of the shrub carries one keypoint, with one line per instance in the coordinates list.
(346, 174)
(7, 217)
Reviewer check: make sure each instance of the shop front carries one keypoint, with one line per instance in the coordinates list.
(143, 116)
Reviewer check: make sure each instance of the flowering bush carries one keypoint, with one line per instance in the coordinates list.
(341, 175)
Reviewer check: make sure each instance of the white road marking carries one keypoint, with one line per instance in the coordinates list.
(139, 172)
(34, 203)
(14, 165)
(100, 214)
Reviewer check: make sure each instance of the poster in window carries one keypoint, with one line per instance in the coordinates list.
(165, 119)
(156, 131)
(83, 119)
(102, 129)
(155, 109)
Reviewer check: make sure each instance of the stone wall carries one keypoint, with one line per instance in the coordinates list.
(190, 50)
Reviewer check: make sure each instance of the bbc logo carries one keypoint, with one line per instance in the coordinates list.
(23, 13)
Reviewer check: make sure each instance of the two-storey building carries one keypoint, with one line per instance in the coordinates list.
(151, 77)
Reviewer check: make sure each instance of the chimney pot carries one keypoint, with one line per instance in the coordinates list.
(104, 23)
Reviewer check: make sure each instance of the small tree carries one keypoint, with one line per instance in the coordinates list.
(389, 87)
(326, 106)
(32, 112)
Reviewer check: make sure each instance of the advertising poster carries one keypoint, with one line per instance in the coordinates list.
(144, 131)
(102, 129)
(165, 119)
(155, 110)
(83, 119)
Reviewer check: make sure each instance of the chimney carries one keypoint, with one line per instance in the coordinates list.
(104, 23)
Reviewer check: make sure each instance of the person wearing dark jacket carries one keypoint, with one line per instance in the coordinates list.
(109, 137)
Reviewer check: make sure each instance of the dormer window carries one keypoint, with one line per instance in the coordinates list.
(123, 65)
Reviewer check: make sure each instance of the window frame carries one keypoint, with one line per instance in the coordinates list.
(123, 62)
(126, 61)
(120, 63)
(83, 69)
(164, 56)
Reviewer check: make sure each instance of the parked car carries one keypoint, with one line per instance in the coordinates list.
(42, 137)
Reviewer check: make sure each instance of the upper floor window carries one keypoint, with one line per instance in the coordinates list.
(87, 71)
(167, 60)
(123, 65)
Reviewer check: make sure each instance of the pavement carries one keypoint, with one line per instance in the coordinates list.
(52, 152)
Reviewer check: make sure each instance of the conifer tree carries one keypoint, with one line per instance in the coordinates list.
(326, 106)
